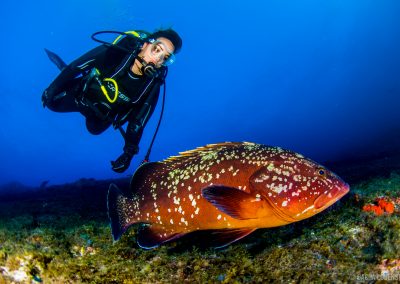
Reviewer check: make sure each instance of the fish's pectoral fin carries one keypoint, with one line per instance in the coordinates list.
(222, 238)
(235, 202)
(151, 236)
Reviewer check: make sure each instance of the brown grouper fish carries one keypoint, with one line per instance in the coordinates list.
(230, 189)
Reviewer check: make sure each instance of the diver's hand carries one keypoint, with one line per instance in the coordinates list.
(121, 164)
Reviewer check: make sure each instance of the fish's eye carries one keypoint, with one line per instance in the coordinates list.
(321, 172)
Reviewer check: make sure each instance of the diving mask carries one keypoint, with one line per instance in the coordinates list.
(161, 52)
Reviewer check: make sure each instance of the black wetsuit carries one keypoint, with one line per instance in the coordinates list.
(137, 95)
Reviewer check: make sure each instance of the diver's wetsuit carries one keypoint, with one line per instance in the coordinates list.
(137, 95)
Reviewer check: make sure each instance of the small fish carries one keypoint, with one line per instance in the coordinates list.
(230, 189)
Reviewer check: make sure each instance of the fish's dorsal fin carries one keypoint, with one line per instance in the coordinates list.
(205, 150)
(151, 236)
(235, 202)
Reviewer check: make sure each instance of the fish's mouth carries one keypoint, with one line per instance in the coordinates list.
(330, 197)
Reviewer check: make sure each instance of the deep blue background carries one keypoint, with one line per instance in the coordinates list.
(318, 77)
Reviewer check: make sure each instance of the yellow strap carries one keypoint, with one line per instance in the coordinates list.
(128, 32)
(115, 91)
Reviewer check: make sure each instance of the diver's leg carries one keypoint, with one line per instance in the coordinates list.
(96, 126)
(64, 101)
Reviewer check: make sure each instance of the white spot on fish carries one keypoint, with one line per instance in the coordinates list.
(284, 203)
(184, 221)
(278, 189)
(258, 197)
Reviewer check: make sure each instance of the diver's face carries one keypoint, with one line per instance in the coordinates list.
(157, 52)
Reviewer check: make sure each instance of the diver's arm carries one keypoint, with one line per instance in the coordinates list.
(134, 131)
(137, 124)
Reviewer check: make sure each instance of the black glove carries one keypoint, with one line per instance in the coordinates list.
(122, 163)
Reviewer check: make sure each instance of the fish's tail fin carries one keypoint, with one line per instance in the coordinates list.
(117, 211)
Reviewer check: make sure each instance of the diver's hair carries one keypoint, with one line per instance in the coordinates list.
(171, 35)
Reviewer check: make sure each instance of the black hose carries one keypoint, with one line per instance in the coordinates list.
(93, 37)
(147, 157)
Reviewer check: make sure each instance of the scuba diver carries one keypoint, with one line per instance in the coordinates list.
(116, 83)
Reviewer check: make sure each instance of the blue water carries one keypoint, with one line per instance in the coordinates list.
(318, 77)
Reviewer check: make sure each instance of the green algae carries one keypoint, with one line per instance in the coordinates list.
(56, 237)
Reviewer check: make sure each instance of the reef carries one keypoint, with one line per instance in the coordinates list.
(61, 234)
